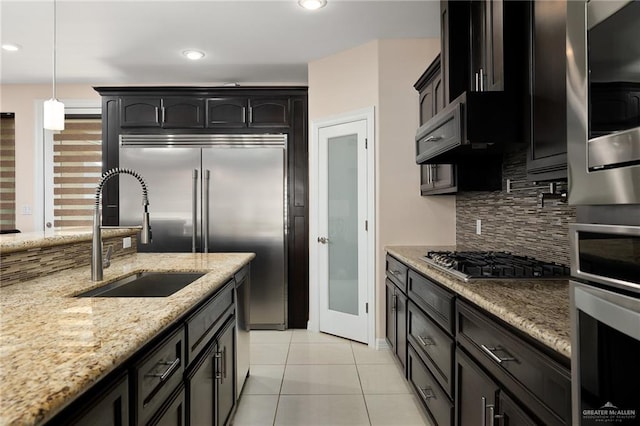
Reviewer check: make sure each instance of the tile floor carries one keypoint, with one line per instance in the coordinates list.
(304, 378)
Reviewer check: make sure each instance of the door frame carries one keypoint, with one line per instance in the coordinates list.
(367, 114)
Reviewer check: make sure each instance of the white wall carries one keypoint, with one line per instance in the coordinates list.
(381, 74)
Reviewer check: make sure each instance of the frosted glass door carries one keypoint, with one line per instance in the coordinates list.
(342, 239)
(343, 223)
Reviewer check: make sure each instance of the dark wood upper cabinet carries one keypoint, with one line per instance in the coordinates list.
(547, 98)
(227, 112)
(486, 50)
(137, 111)
(169, 112)
(454, 48)
(434, 178)
(182, 113)
(268, 112)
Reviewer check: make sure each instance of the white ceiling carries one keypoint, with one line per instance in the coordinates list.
(140, 42)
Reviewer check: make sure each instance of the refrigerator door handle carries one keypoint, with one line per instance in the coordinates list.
(205, 213)
(194, 211)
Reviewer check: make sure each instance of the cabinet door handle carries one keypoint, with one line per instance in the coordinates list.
(250, 115)
(477, 86)
(496, 358)
(481, 80)
(218, 361)
(162, 111)
(394, 302)
(484, 412)
(433, 138)
(165, 375)
(426, 341)
(426, 393)
(435, 172)
(244, 115)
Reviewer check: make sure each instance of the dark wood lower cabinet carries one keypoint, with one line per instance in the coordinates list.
(225, 374)
(111, 408)
(466, 366)
(397, 321)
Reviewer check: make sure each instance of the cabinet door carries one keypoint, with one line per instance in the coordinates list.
(200, 386)
(225, 373)
(487, 54)
(227, 112)
(391, 314)
(426, 103)
(183, 113)
(401, 327)
(269, 112)
(112, 409)
(548, 132)
(438, 94)
(510, 414)
(138, 111)
(476, 394)
(173, 412)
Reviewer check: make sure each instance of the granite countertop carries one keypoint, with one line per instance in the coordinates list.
(539, 308)
(10, 243)
(54, 346)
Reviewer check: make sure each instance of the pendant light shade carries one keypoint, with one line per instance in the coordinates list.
(53, 114)
(53, 108)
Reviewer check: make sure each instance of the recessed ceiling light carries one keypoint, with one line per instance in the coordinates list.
(194, 55)
(312, 4)
(9, 47)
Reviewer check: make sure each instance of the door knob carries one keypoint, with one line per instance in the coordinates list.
(323, 240)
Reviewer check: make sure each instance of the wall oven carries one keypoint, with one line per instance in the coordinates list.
(605, 311)
(603, 101)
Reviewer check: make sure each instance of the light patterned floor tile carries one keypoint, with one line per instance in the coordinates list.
(393, 410)
(321, 410)
(256, 410)
(264, 380)
(321, 379)
(320, 353)
(382, 379)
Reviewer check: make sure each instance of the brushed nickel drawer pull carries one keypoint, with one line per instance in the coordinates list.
(495, 357)
(426, 341)
(426, 393)
(433, 138)
(163, 376)
(218, 365)
(394, 303)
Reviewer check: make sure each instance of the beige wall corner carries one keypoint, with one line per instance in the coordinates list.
(381, 74)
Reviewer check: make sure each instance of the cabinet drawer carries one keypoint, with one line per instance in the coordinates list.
(158, 374)
(441, 133)
(203, 324)
(397, 272)
(429, 392)
(433, 299)
(517, 364)
(433, 345)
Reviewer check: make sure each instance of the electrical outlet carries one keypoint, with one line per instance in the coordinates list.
(126, 242)
(26, 210)
(478, 226)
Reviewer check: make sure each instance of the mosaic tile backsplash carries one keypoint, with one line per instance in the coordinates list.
(40, 261)
(515, 221)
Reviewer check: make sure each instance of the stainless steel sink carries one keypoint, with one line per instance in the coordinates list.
(145, 284)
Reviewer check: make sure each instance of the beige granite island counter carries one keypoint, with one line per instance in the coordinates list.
(54, 346)
(538, 308)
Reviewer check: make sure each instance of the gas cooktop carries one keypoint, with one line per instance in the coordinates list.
(470, 265)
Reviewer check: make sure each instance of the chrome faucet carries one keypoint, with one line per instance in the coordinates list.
(96, 246)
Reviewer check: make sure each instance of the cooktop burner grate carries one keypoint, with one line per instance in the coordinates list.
(493, 264)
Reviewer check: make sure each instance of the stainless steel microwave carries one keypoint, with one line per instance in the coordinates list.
(603, 101)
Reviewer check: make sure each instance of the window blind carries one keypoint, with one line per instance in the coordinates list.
(77, 167)
(7, 171)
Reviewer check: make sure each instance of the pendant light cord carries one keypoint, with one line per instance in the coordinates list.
(54, 50)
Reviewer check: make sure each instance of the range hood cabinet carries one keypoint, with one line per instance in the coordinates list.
(473, 126)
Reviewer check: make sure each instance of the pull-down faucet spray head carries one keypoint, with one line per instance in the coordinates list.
(96, 247)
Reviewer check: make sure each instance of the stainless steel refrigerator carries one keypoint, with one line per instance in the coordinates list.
(216, 193)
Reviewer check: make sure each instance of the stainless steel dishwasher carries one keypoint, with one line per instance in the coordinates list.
(243, 326)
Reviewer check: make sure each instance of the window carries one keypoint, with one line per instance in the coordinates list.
(7, 172)
(77, 167)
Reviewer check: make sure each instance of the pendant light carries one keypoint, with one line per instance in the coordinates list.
(53, 108)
